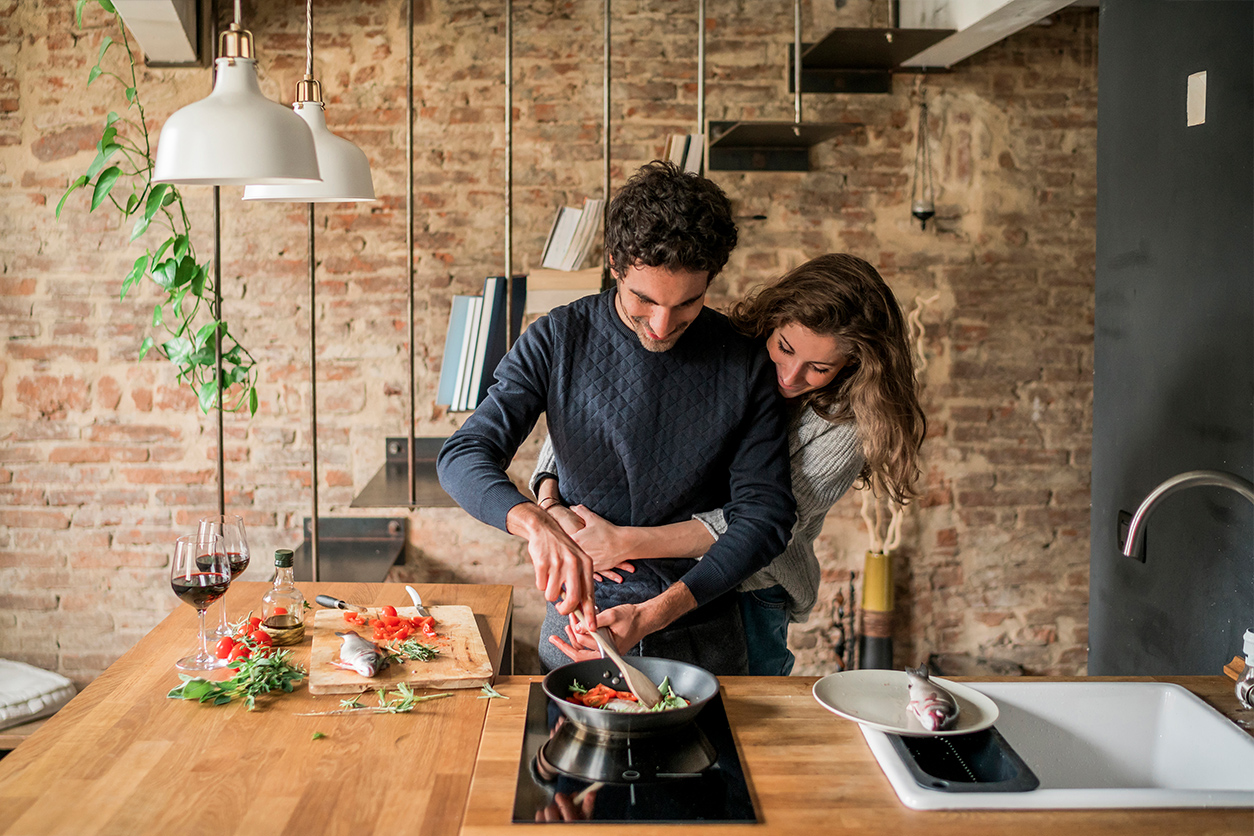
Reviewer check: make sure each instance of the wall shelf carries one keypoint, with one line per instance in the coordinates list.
(768, 146)
(352, 549)
(861, 60)
(389, 488)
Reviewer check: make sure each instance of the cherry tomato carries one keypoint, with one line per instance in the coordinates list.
(261, 637)
(224, 647)
(240, 651)
(254, 623)
(280, 610)
(389, 611)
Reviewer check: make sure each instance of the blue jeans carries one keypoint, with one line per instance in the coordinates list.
(765, 616)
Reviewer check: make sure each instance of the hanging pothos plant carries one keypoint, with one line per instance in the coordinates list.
(124, 160)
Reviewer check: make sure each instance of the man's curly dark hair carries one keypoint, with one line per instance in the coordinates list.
(665, 217)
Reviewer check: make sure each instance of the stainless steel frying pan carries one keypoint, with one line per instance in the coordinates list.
(694, 684)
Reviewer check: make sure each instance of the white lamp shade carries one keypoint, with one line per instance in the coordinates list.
(345, 170)
(235, 136)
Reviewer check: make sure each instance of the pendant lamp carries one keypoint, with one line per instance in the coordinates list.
(235, 136)
(923, 190)
(345, 170)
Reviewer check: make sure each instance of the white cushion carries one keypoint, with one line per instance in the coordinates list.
(28, 692)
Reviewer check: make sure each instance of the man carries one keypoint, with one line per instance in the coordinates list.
(657, 409)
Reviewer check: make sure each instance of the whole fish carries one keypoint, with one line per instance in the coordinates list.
(359, 655)
(935, 707)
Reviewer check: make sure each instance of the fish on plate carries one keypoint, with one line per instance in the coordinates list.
(935, 708)
(359, 655)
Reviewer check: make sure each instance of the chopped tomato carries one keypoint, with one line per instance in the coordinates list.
(426, 625)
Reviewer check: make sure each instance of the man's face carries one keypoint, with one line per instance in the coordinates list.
(659, 304)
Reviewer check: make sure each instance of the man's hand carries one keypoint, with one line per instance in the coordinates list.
(561, 566)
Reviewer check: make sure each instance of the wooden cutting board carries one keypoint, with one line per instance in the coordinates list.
(462, 661)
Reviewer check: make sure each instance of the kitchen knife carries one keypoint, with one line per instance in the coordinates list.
(422, 611)
(337, 604)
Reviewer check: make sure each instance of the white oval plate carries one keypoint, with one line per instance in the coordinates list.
(877, 699)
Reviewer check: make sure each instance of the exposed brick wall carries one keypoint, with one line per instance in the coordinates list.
(103, 461)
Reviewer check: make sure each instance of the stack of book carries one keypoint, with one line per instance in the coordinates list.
(572, 235)
(686, 151)
(548, 289)
(476, 342)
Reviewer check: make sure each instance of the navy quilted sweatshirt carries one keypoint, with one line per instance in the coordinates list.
(641, 438)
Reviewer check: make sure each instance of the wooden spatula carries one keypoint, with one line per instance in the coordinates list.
(637, 681)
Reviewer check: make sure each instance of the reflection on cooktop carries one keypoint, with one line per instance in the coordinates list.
(568, 774)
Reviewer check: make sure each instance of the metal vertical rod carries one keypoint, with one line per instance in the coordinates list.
(509, 173)
(217, 341)
(217, 281)
(409, 242)
(605, 126)
(796, 61)
(701, 68)
(313, 398)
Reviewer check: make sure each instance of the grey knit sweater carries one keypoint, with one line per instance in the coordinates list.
(825, 459)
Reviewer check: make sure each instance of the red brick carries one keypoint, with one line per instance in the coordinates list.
(34, 600)
(98, 454)
(34, 519)
(166, 476)
(53, 397)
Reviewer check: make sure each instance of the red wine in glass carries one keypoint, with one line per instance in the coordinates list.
(199, 575)
(201, 588)
(230, 527)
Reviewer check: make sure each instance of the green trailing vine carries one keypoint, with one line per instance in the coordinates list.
(124, 159)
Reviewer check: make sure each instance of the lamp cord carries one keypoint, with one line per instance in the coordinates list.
(309, 38)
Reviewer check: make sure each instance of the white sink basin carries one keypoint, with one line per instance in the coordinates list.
(1101, 744)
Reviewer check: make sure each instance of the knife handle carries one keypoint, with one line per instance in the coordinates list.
(337, 604)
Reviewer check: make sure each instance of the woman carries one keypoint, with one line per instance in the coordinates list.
(844, 367)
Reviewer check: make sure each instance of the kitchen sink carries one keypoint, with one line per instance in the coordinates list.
(1100, 744)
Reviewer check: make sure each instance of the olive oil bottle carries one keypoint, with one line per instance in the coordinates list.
(283, 607)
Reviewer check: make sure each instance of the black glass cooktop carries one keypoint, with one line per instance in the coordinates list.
(690, 775)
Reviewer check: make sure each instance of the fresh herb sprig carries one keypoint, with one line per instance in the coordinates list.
(404, 701)
(416, 650)
(258, 675)
(490, 693)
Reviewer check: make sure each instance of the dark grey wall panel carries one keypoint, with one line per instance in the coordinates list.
(1174, 343)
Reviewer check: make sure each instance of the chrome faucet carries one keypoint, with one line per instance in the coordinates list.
(1192, 479)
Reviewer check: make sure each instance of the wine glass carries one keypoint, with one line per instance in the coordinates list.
(200, 574)
(230, 528)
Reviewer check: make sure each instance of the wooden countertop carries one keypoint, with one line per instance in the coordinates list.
(121, 758)
(811, 772)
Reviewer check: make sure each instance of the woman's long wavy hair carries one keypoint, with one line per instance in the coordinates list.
(844, 296)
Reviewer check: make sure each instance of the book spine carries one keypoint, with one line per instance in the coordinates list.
(464, 362)
(493, 294)
(446, 391)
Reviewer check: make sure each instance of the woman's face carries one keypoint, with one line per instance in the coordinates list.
(804, 361)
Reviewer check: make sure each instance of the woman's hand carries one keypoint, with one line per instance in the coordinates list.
(607, 544)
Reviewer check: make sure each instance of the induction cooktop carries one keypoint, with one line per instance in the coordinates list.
(566, 774)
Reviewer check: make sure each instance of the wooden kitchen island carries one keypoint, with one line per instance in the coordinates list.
(123, 759)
